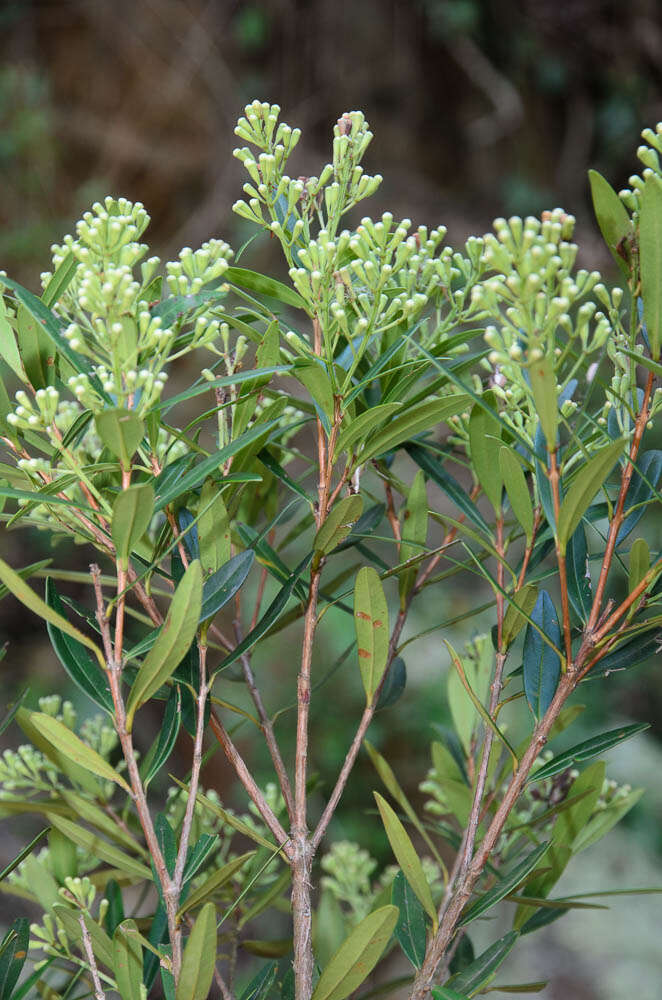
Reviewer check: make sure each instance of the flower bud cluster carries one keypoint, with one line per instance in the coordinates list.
(649, 155)
(25, 768)
(348, 869)
(37, 414)
(79, 891)
(198, 268)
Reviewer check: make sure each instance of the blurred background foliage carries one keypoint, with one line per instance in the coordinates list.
(479, 108)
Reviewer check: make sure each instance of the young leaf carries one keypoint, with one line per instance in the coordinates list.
(222, 585)
(481, 970)
(584, 751)
(121, 431)
(199, 957)
(414, 420)
(74, 658)
(410, 928)
(173, 641)
(406, 856)
(132, 512)
(372, 629)
(259, 283)
(521, 604)
(8, 349)
(414, 533)
(590, 478)
(484, 438)
(213, 528)
(128, 960)
(517, 490)
(650, 260)
(338, 523)
(505, 886)
(613, 219)
(543, 387)
(13, 953)
(73, 748)
(357, 955)
(23, 593)
(314, 377)
(640, 562)
(542, 664)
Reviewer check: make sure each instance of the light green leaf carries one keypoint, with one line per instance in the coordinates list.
(60, 280)
(583, 488)
(259, 283)
(339, 523)
(357, 955)
(215, 881)
(415, 420)
(101, 944)
(483, 968)
(132, 512)
(477, 673)
(603, 821)
(316, 380)
(484, 438)
(372, 628)
(406, 856)
(128, 960)
(172, 643)
(414, 533)
(517, 490)
(27, 596)
(650, 260)
(354, 431)
(543, 387)
(73, 748)
(519, 610)
(613, 219)
(640, 562)
(199, 957)
(8, 346)
(213, 528)
(121, 431)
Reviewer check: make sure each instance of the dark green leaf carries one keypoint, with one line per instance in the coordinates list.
(115, 912)
(483, 968)
(394, 684)
(542, 665)
(222, 585)
(629, 654)
(14, 951)
(261, 984)
(448, 484)
(588, 749)
(255, 282)
(505, 886)
(648, 470)
(22, 855)
(166, 739)
(577, 570)
(612, 216)
(410, 928)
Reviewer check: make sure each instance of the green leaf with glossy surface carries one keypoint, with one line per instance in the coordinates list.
(590, 478)
(438, 474)
(544, 389)
(410, 928)
(199, 957)
(132, 513)
(172, 643)
(338, 523)
(259, 283)
(406, 856)
(484, 440)
(128, 960)
(577, 572)
(314, 377)
(121, 431)
(650, 259)
(517, 490)
(213, 528)
(542, 664)
(355, 431)
(372, 629)
(613, 219)
(481, 970)
(13, 953)
(520, 605)
(415, 420)
(505, 886)
(357, 955)
(394, 684)
(588, 749)
(165, 741)
(73, 656)
(222, 585)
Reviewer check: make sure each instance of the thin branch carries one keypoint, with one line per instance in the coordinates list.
(92, 962)
(560, 557)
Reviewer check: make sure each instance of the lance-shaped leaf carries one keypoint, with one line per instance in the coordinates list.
(128, 960)
(372, 629)
(613, 219)
(172, 643)
(74, 657)
(438, 474)
(410, 928)
(199, 957)
(482, 969)
(590, 478)
(121, 431)
(261, 984)
(521, 604)
(394, 684)
(60, 280)
(484, 438)
(640, 561)
(447, 993)
(517, 490)
(102, 946)
(22, 855)
(27, 596)
(98, 847)
(315, 378)
(629, 654)
(13, 953)
(357, 955)
(73, 748)
(259, 283)
(213, 528)
(577, 569)
(165, 741)
(414, 532)
(222, 585)
(355, 431)
(132, 512)
(588, 749)
(406, 856)
(650, 260)
(542, 664)
(338, 523)
(640, 493)
(215, 881)
(504, 887)
(544, 389)
(8, 348)
(415, 420)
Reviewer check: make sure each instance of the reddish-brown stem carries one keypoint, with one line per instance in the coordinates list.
(529, 549)
(448, 539)
(617, 519)
(560, 557)
(390, 511)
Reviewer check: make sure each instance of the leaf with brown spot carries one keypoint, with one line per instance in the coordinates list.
(371, 624)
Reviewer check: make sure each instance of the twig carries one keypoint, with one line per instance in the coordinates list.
(560, 557)
(92, 962)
